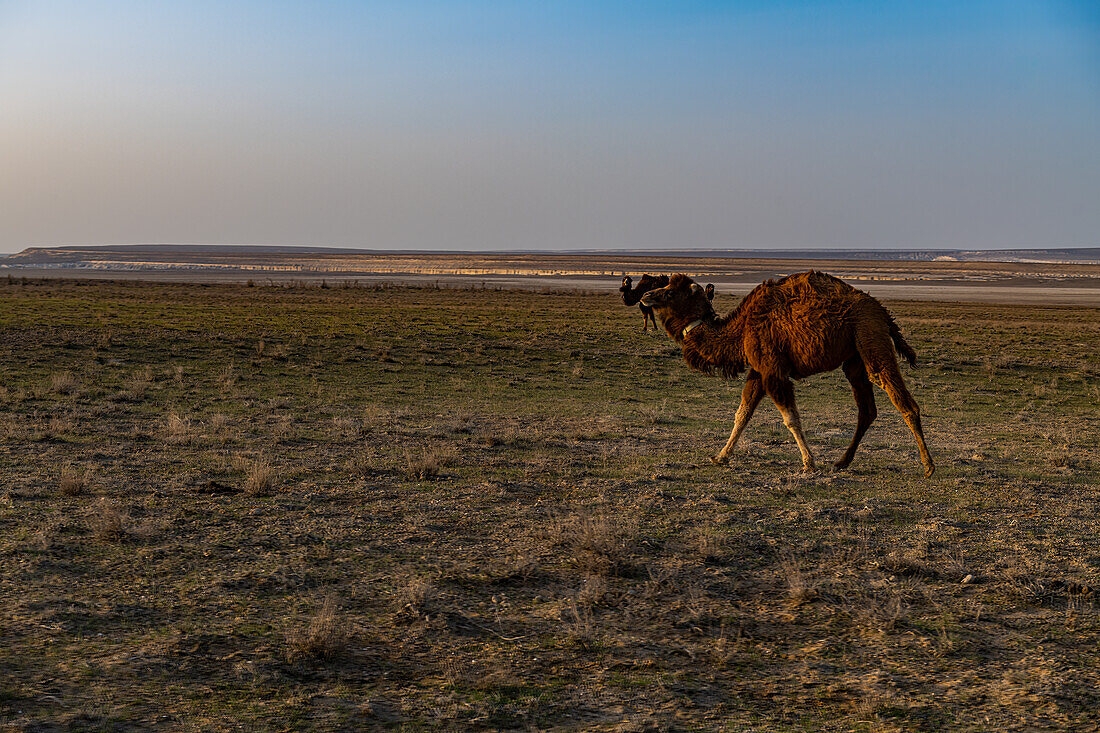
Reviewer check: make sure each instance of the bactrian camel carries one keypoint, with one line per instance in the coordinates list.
(787, 329)
(632, 295)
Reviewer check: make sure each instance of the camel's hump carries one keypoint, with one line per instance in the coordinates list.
(812, 280)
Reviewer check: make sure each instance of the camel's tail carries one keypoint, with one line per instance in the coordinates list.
(902, 345)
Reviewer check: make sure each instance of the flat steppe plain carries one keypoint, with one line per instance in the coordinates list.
(1044, 283)
(295, 508)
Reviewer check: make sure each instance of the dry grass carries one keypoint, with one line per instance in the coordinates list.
(260, 475)
(325, 636)
(800, 587)
(179, 430)
(564, 558)
(73, 480)
(426, 462)
(579, 624)
(362, 463)
(414, 594)
(595, 542)
(138, 384)
(64, 383)
(106, 521)
(221, 425)
(227, 378)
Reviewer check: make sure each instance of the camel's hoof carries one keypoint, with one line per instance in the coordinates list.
(719, 460)
(841, 464)
(929, 471)
(809, 468)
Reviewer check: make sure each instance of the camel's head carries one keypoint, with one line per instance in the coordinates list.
(679, 303)
(632, 294)
(709, 290)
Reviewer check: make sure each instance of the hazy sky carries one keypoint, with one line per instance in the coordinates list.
(555, 124)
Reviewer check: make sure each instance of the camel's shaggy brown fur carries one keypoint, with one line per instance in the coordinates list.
(787, 329)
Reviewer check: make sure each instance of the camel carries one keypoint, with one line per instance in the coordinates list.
(785, 329)
(645, 284)
(633, 295)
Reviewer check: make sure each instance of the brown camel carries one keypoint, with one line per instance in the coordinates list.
(632, 295)
(787, 329)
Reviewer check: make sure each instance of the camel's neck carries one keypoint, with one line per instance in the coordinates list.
(716, 343)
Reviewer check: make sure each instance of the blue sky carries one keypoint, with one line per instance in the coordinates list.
(519, 125)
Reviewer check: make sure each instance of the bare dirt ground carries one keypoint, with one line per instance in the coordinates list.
(307, 508)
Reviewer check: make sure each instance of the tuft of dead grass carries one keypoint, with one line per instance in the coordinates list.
(414, 593)
(324, 637)
(64, 383)
(579, 624)
(595, 542)
(138, 384)
(657, 414)
(259, 474)
(426, 462)
(179, 429)
(73, 480)
(221, 425)
(227, 379)
(107, 522)
(800, 586)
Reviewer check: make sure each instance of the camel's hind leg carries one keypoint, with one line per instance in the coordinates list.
(865, 402)
(887, 376)
(781, 390)
(750, 398)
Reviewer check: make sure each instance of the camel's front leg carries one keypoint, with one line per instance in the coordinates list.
(782, 393)
(750, 398)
